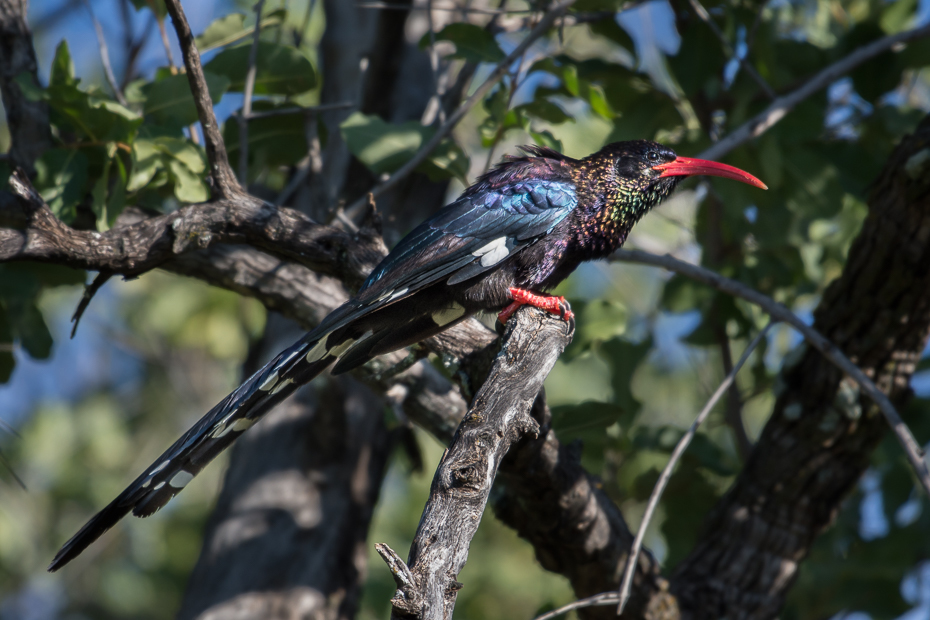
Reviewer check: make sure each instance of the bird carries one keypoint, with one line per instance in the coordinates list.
(513, 235)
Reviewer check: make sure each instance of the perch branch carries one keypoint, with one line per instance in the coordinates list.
(498, 418)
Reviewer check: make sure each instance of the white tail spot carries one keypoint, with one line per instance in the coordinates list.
(279, 387)
(268, 383)
(180, 479)
(340, 349)
(318, 351)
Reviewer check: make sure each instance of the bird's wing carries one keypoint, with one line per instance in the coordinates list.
(472, 235)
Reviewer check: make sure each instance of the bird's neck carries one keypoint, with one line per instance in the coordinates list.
(608, 207)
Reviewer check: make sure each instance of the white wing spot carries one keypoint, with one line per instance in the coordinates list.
(180, 479)
(268, 383)
(318, 351)
(159, 485)
(492, 253)
(340, 349)
(447, 315)
(278, 388)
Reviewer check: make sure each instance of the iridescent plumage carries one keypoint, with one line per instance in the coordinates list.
(522, 227)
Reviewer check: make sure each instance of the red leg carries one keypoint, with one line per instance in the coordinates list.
(549, 303)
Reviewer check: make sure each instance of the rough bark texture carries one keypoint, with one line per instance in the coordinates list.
(499, 417)
(28, 120)
(818, 441)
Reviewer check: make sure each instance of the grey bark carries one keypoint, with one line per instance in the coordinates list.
(817, 442)
(30, 133)
(499, 417)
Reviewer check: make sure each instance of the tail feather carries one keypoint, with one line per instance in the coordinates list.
(212, 434)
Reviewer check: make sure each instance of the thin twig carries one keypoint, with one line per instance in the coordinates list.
(744, 63)
(388, 6)
(598, 600)
(224, 180)
(662, 482)
(734, 406)
(557, 9)
(913, 451)
(165, 42)
(436, 99)
(777, 110)
(325, 107)
(247, 100)
(105, 56)
(89, 291)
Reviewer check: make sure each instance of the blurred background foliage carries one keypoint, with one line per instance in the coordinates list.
(81, 416)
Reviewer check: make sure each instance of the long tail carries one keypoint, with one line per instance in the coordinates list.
(211, 435)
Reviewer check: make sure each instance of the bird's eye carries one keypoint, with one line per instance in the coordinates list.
(652, 156)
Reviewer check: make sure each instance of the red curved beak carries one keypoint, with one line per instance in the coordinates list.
(686, 167)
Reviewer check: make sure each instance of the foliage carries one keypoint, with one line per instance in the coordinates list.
(647, 350)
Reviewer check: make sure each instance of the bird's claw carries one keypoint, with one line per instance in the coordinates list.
(549, 303)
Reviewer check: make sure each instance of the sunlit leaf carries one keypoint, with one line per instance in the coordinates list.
(169, 101)
(472, 42)
(280, 69)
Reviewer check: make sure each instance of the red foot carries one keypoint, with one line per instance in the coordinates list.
(549, 303)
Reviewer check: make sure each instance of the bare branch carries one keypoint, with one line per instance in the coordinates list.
(498, 418)
(666, 475)
(247, 99)
(554, 12)
(145, 245)
(598, 600)
(913, 451)
(777, 110)
(224, 181)
(105, 57)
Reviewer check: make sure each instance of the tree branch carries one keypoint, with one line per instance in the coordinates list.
(498, 418)
(224, 180)
(912, 450)
(762, 122)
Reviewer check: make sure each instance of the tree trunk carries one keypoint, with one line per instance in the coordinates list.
(818, 441)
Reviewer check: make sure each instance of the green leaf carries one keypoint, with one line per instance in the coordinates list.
(597, 320)
(545, 138)
(231, 28)
(898, 15)
(570, 420)
(280, 69)
(62, 180)
(146, 161)
(189, 187)
(545, 110)
(472, 43)
(62, 72)
(623, 358)
(33, 333)
(273, 140)
(169, 101)
(385, 147)
(156, 6)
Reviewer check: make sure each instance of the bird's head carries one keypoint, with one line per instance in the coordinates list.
(639, 174)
